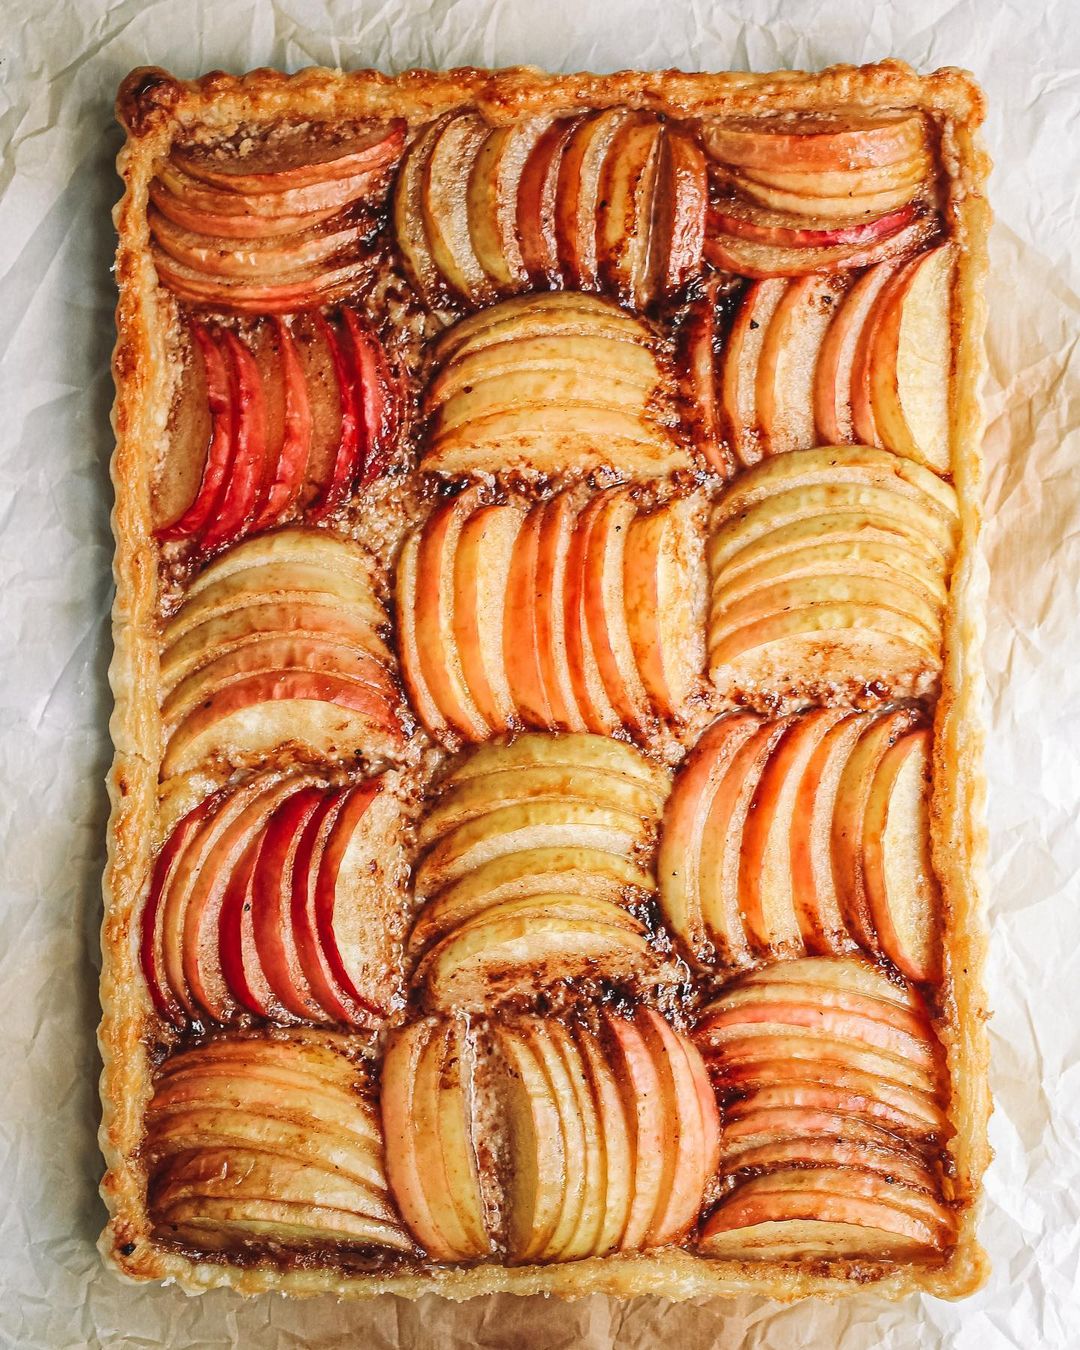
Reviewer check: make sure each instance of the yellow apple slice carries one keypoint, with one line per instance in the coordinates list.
(788, 361)
(537, 1164)
(579, 195)
(455, 1116)
(556, 532)
(586, 1233)
(410, 227)
(413, 673)
(812, 144)
(625, 209)
(835, 373)
(542, 1041)
(491, 201)
(616, 1131)
(639, 1083)
(910, 365)
(590, 695)
(576, 751)
(444, 200)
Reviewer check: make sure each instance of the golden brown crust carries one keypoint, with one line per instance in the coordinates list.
(155, 108)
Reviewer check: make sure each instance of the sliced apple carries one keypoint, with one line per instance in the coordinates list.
(739, 366)
(787, 364)
(536, 203)
(909, 373)
(261, 259)
(456, 1087)
(679, 212)
(617, 1131)
(556, 530)
(579, 193)
(625, 209)
(410, 226)
(639, 1081)
(749, 258)
(584, 752)
(697, 346)
(835, 393)
(301, 288)
(444, 200)
(590, 694)
(482, 561)
(521, 653)
(815, 145)
(544, 1042)
(493, 191)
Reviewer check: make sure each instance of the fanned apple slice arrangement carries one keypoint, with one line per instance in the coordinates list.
(263, 1140)
(830, 1079)
(278, 646)
(804, 834)
(609, 1137)
(829, 571)
(277, 226)
(800, 196)
(534, 857)
(290, 417)
(824, 360)
(550, 384)
(611, 199)
(279, 899)
(557, 616)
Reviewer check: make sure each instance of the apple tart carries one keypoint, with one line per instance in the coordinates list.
(545, 847)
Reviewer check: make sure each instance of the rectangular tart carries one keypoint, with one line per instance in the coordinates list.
(546, 844)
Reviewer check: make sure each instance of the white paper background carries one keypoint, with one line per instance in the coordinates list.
(60, 62)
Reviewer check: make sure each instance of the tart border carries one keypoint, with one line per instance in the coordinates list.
(154, 107)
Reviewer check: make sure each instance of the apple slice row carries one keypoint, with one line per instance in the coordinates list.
(531, 858)
(278, 644)
(277, 899)
(819, 197)
(804, 834)
(550, 384)
(279, 228)
(555, 617)
(610, 200)
(591, 1141)
(829, 570)
(821, 361)
(288, 418)
(268, 1141)
(830, 1078)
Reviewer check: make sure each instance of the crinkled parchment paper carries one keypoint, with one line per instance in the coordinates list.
(60, 62)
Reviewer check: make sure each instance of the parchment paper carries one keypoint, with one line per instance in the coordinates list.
(60, 62)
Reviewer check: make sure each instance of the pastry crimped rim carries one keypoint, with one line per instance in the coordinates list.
(155, 107)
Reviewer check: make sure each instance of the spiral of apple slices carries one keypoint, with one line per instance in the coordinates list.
(257, 1140)
(288, 417)
(830, 1079)
(829, 570)
(583, 618)
(533, 853)
(277, 644)
(608, 1137)
(612, 200)
(824, 360)
(550, 384)
(804, 834)
(276, 229)
(815, 197)
(278, 899)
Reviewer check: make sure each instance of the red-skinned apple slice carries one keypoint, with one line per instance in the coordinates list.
(201, 918)
(579, 194)
(303, 288)
(271, 905)
(758, 225)
(304, 913)
(740, 360)
(340, 924)
(238, 956)
(201, 733)
(330, 196)
(494, 189)
(221, 225)
(589, 692)
(643, 1097)
(664, 603)
(605, 609)
(815, 144)
(848, 203)
(684, 1145)
(750, 259)
(787, 364)
(260, 260)
(536, 204)
(348, 454)
(685, 817)
(481, 565)
(378, 395)
(220, 451)
(434, 617)
(719, 854)
(766, 890)
(282, 486)
(164, 874)
(279, 167)
(843, 182)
